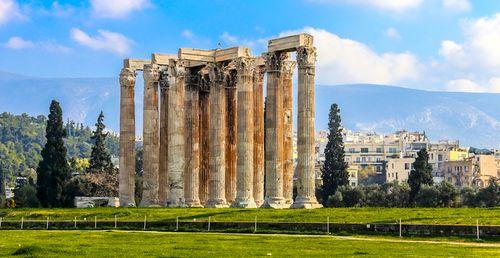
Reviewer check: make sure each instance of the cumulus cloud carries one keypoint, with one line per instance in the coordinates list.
(18, 43)
(392, 33)
(117, 8)
(106, 41)
(342, 60)
(466, 85)
(187, 34)
(385, 5)
(480, 46)
(230, 40)
(9, 10)
(457, 5)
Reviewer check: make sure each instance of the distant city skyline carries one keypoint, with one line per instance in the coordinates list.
(446, 45)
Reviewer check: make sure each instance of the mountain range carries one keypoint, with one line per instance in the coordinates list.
(472, 118)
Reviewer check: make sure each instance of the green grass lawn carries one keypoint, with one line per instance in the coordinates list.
(163, 244)
(455, 216)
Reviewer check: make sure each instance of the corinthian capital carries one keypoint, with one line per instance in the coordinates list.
(306, 56)
(288, 67)
(178, 68)
(245, 66)
(127, 77)
(274, 60)
(164, 80)
(151, 73)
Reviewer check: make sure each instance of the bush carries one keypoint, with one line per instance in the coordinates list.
(25, 196)
(448, 195)
(352, 197)
(335, 200)
(398, 195)
(489, 196)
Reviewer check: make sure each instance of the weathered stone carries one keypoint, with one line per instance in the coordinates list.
(162, 59)
(176, 135)
(306, 197)
(290, 43)
(204, 137)
(150, 137)
(163, 169)
(233, 53)
(258, 154)
(91, 202)
(230, 78)
(127, 138)
(216, 182)
(274, 132)
(192, 172)
(135, 64)
(286, 79)
(244, 175)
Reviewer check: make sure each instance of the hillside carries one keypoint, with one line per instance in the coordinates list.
(473, 118)
(22, 138)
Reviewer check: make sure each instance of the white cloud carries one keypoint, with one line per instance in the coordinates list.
(117, 8)
(457, 5)
(480, 48)
(386, 5)
(9, 10)
(18, 43)
(230, 40)
(106, 41)
(467, 85)
(341, 60)
(392, 33)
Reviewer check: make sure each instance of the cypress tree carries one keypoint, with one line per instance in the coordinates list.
(100, 159)
(3, 193)
(53, 171)
(421, 174)
(334, 171)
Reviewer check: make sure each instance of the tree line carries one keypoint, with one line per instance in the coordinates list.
(419, 190)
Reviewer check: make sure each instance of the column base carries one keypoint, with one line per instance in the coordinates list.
(178, 204)
(216, 203)
(306, 203)
(148, 203)
(128, 204)
(259, 202)
(244, 203)
(193, 204)
(275, 203)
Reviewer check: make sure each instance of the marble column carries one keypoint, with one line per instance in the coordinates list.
(274, 132)
(217, 161)
(176, 135)
(286, 79)
(204, 136)
(163, 171)
(150, 137)
(192, 172)
(306, 197)
(258, 150)
(231, 133)
(245, 124)
(127, 138)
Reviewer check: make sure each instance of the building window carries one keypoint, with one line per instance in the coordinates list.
(379, 159)
(379, 150)
(364, 150)
(358, 159)
(392, 150)
(352, 150)
(466, 168)
(363, 159)
(440, 157)
(407, 166)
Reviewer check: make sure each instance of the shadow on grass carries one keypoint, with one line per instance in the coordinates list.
(26, 251)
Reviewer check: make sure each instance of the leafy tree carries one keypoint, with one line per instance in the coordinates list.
(427, 196)
(448, 195)
(421, 174)
(2, 188)
(334, 171)
(489, 196)
(352, 197)
(53, 171)
(398, 195)
(100, 159)
(138, 174)
(25, 195)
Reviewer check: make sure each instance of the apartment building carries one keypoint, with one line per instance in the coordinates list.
(398, 170)
(472, 171)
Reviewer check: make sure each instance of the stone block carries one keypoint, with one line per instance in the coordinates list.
(135, 64)
(91, 202)
(197, 54)
(231, 53)
(162, 59)
(290, 43)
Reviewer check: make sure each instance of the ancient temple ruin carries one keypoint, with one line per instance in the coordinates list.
(206, 142)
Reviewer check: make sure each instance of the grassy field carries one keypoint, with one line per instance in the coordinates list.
(460, 216)
(162, 244)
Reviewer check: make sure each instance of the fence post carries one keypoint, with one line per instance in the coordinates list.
(400, 228)
(477, 229)
(208, 223)
(47, 227)
(328, 225)
(95, 221)
(75, 221)
(145, 219)
(115, 222)
(22, 222)
(0, 223)
(255, 226)
(177, 224)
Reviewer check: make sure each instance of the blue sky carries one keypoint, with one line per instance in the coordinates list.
(451, 45)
